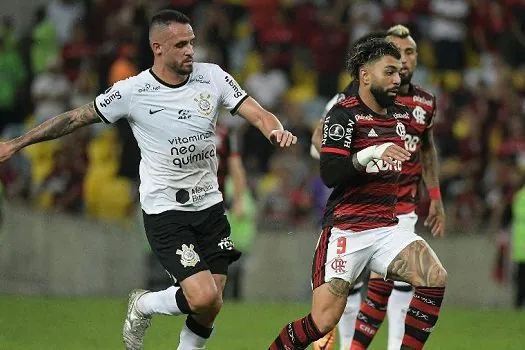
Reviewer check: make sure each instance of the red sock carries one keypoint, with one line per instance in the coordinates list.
(297, 335)
(372, 312)
(422, 316)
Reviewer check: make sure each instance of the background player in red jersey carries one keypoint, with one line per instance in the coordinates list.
(390, 297)
(361, 157)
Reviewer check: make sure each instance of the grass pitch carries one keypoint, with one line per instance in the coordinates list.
(36, 323)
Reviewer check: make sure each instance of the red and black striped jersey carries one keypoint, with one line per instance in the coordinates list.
(422, 106)
(368, 199)
(227, 146)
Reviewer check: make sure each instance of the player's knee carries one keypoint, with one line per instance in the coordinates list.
(438, 277)
(206, 301)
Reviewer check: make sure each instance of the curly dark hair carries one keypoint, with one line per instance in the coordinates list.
(368, 51)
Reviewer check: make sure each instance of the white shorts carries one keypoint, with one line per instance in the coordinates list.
(344, 254)
(408, 221)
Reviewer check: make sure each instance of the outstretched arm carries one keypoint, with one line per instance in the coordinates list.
(54, 128)
(266, 122)
(429, 158)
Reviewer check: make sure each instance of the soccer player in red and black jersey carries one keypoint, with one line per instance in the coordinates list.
(393, 298)
(230, 164)
(361, 158)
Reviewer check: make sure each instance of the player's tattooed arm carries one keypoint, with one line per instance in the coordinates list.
(418, 265)
(429, 158)
(339, 287)
(58, 126)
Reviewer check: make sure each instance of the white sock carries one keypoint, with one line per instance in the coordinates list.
(161, 302)
(190, 340)
(346, 325)
(397, 308)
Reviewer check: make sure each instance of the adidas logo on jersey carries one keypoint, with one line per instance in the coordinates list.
(372, 133)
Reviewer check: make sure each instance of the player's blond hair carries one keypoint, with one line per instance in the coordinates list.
(399, 31)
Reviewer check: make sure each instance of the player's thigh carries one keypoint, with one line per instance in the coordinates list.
(213, 237)
(341, 254)
(175, 245)
(418, 265)
(390, 241)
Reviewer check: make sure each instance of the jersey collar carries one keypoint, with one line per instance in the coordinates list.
(173, 86)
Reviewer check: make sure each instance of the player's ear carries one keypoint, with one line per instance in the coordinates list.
(156, 48)
(364, 75)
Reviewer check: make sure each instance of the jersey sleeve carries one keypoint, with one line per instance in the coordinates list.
(433, 115)
(231, 94)
(114, 103)
(336, 166)
(338, 132)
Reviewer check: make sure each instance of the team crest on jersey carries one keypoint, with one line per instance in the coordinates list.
(419, 115)
(188, 256)
(204, 103)
(336, 132)
(401, 131)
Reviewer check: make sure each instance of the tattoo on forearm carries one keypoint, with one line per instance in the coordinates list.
(418, 265)
(60, 125)
(339, 287)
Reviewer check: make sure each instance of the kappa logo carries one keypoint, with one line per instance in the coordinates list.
(188, 256)
(372, 133)
(336, 132)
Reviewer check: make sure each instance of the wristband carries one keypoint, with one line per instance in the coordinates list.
(434, 193)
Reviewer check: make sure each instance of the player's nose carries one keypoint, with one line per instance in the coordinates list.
(396, 79)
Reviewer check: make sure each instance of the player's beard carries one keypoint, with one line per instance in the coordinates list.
(382, 97)
(406, 79)
(182, 69)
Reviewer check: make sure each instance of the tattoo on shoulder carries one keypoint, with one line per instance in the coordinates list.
(339, 287)
(86, 114)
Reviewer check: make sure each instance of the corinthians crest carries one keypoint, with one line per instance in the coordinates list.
(188, 256)
(204, 103)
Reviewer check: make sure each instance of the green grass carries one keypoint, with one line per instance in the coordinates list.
(47, 323)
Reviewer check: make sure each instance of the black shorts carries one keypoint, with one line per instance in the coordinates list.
(189, 242)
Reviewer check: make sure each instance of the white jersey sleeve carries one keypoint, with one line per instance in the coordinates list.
(114, 103)
(314, 153)
(231, 94)
(338, 97)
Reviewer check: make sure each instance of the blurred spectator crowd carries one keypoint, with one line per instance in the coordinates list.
(290, 56)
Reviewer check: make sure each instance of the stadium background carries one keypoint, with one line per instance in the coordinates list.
(71, 242)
